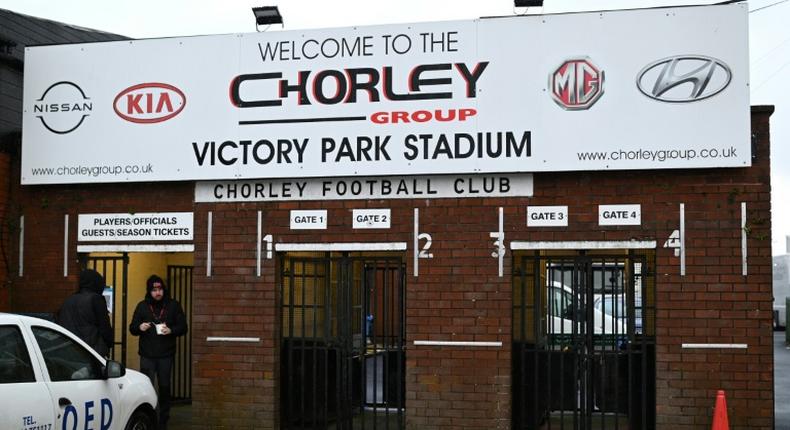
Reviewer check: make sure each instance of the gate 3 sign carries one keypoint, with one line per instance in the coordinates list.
(639, 89)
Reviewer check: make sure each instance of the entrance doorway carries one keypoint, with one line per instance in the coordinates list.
(342, 341)
(125, 274)
(584, 340)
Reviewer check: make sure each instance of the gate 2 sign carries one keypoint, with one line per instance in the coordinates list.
(446, 98)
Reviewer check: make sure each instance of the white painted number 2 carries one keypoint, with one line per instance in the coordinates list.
(428, 241)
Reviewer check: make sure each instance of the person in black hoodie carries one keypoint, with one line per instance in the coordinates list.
(85, 314)
(158, 320)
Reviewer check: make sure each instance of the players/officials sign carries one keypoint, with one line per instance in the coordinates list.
(637, 89)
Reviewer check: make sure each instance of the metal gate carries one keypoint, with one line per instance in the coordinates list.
(342, 341)
(179, 280)
(115, 272)
(584, 341)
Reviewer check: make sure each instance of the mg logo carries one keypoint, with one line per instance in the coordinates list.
(684, 79)
(576, 84)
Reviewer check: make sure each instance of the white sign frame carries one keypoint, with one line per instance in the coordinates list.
(382, 218)
(550, 216)
(632, 215)
(366, 188)
(478, 101)
(318, 219)
(134, 227)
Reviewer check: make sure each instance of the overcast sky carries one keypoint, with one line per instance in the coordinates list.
(769, 41)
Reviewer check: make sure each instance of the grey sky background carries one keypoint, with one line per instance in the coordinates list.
(769, 40)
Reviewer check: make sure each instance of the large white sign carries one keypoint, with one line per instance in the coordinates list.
(115, 227)
(638, 89)
(365, 188)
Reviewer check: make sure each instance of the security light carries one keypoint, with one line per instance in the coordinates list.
(267, 15)
(528, 3)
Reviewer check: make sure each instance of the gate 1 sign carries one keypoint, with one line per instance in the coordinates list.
(662, 88)
(119, 227)
(308, 220)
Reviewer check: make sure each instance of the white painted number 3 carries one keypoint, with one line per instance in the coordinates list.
(498, 243)
(428, 241)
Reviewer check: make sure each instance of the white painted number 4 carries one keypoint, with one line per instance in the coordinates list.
(674, 242)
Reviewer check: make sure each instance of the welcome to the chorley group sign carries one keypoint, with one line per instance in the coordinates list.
(642, 89)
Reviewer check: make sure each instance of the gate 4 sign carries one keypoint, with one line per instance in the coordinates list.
(619, 215)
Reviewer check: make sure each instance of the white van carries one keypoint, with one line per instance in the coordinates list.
(50, 379)
(561, 308)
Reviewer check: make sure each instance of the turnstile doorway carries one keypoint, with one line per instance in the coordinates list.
(342, 341)
(584, 340)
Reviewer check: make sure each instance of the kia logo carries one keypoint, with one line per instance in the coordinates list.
(149, 103)
(63, 107)
(684, 79)
(576, 84)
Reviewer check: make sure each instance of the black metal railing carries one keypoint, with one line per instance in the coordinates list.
(115, 272)
(342, 351)
(179, 280)
(584, 341)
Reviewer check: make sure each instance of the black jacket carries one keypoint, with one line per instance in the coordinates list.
(153, 345)
(84, 313)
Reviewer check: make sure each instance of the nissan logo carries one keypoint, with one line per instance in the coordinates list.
(684, 79)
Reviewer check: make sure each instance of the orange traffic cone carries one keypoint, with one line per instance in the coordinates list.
(720, 421)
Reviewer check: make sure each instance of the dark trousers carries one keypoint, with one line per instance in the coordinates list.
(162, 369)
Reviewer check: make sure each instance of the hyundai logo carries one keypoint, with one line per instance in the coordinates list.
(684, 79)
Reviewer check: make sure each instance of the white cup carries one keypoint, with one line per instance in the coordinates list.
(160, 328)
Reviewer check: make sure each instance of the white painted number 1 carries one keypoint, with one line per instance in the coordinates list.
(269, 245)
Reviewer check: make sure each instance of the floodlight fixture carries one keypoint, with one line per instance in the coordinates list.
(527, 3)
(267, 15)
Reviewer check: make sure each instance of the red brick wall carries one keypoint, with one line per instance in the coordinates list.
(5, 230)
(458, 295)
(43, 286)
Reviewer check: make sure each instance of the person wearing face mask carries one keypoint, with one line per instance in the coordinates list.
(158, 320)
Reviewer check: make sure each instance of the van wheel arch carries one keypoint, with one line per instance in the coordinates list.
(144, 413)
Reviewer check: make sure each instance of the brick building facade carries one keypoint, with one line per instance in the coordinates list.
(465, 354)
(458, 295)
